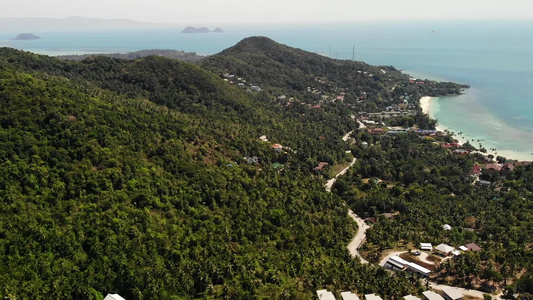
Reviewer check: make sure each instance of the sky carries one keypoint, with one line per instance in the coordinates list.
(269, 11)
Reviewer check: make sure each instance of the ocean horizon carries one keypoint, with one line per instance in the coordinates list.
(494, 57)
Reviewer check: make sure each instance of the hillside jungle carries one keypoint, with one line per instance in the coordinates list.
(148, 178)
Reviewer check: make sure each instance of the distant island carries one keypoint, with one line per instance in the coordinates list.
(25, 37)
(190, 29)
(218, 30)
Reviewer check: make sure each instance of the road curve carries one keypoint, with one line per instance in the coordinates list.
(359, 237)
(329, 183)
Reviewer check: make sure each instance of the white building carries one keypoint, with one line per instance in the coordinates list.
(432, 295)
(426, 246)
(349, 296)
(372, 297)
(325, 295)
(444, 249)
(451, 294)
(113, 297)
(396, 263)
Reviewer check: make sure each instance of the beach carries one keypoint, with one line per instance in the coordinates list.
(427, 104)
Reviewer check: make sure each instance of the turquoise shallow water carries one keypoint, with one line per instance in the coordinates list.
(494, 57)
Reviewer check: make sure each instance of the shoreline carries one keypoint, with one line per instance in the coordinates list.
(425, 105)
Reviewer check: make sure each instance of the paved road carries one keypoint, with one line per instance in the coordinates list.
(329, 183)
(359, 237)
(347, 136)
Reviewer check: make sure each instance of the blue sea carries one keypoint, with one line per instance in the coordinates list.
(494, 57)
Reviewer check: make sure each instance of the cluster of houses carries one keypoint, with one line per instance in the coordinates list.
(396, 263)
(456, 148)
(448, 293)
(503, 169)
(447, 250)
(387, 114)
(430, 132)
(241, 82)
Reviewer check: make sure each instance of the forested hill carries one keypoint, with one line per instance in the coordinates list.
(129, 177)
(174, 54)
(262, 61)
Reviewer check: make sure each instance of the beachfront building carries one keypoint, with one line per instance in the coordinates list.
(349, 296)
(429, 295)
(325, 295)
(492, 168)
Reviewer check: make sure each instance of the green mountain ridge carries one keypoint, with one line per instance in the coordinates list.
(129, 177)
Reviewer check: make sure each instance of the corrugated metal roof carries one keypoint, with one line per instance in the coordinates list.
(349, 296)
(372, 297)
(325, 295)
(432, 295)
(452, 293)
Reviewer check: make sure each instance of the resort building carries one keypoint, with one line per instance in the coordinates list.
(451, 294)
(396, 263)
(426, 246)
(349, 296)
(325, 295)
(372, 297)
(113, 297)
(473, 247)
(432, 295)
(444, 249)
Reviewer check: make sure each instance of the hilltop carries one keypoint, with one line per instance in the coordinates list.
(133, 171)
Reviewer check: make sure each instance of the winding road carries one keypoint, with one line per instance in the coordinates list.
(360, 236)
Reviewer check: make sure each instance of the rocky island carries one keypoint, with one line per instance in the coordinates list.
(218, 30)
(190, 29)
(25, 37)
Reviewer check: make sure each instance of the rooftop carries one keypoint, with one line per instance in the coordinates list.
(444, 248)
(372, 297)
(349, 296)
(432, 295)
(452, 292)
(325, 295)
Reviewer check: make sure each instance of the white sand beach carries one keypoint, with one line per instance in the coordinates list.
(425, 104)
